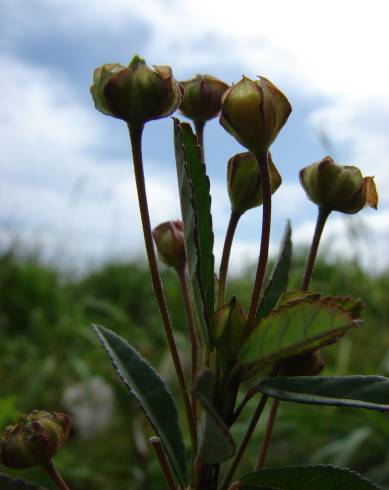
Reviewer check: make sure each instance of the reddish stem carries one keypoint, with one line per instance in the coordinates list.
(265, 239)
(51, 470)
(136, 143)
(234, 219)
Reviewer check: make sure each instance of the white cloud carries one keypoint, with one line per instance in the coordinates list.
(333, 52)
(52, 192)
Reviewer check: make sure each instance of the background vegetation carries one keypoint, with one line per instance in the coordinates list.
(47, 348)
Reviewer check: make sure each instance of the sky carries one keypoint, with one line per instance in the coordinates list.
(66, 178)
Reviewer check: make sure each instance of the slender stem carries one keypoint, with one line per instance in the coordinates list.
(321, 221)
(136, 143)
(199, 127)
(244, 443)
(250, 393)
(234, 219)
(235, 486)
(268, 433)
(51, 470)
(157, 446)
(183, 277)
(265, 239)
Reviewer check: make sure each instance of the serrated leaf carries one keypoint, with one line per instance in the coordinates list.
(151, 393)
(353, 306)
(216, 444)
(195, 200)
(320, 477)
(296, 296)
(279, 277)
(9, 483)
(295, 328)
(370, 392)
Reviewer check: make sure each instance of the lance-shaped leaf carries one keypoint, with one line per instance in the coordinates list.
(151, 393)
(9, 483)
(320, 477)
(279, 277)
(295, 328)
(371, 392)
(195, 200)
(216, 443)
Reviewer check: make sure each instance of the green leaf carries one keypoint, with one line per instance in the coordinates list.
(149, 390)
(318, 477)
(216, 443)
(195, 199)
(9, 483)
(279, 277)
(294, 328)
(296, 296)
(353, 306)
(371, 392)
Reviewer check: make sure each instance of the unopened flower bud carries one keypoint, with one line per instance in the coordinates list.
(34, 441)
(137, 93)
(338, 188)
(254, 113)
(229, 329)
(169, 240)
(202, 97)
(244, 181)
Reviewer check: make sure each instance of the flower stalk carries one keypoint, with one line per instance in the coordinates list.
(232, 224)
(262, 159)
(136, 131)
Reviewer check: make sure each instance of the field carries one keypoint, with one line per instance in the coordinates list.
(50, 359)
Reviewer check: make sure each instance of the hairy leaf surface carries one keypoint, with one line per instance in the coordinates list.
(151, 393)
(371, 392)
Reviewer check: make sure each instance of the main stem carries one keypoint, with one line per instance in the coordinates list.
(183, 277)
(234, 219)
(265, 239)
(321, 221)
(136, 143)
(51, 470)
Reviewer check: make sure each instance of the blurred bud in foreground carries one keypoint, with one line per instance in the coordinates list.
(228, 329)
(254, 113)
(169, 240)
(202, 99)
(244, 181)
(338, 188)
(34, 441)
(137, 93)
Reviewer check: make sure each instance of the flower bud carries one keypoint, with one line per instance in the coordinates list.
(170, 243)
(34, 441)
(229, 329)
(244, 181)
(137, 93)
(254, 113)
(338, 188)
(202, 99)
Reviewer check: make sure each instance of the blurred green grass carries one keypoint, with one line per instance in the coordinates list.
(47, 345)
